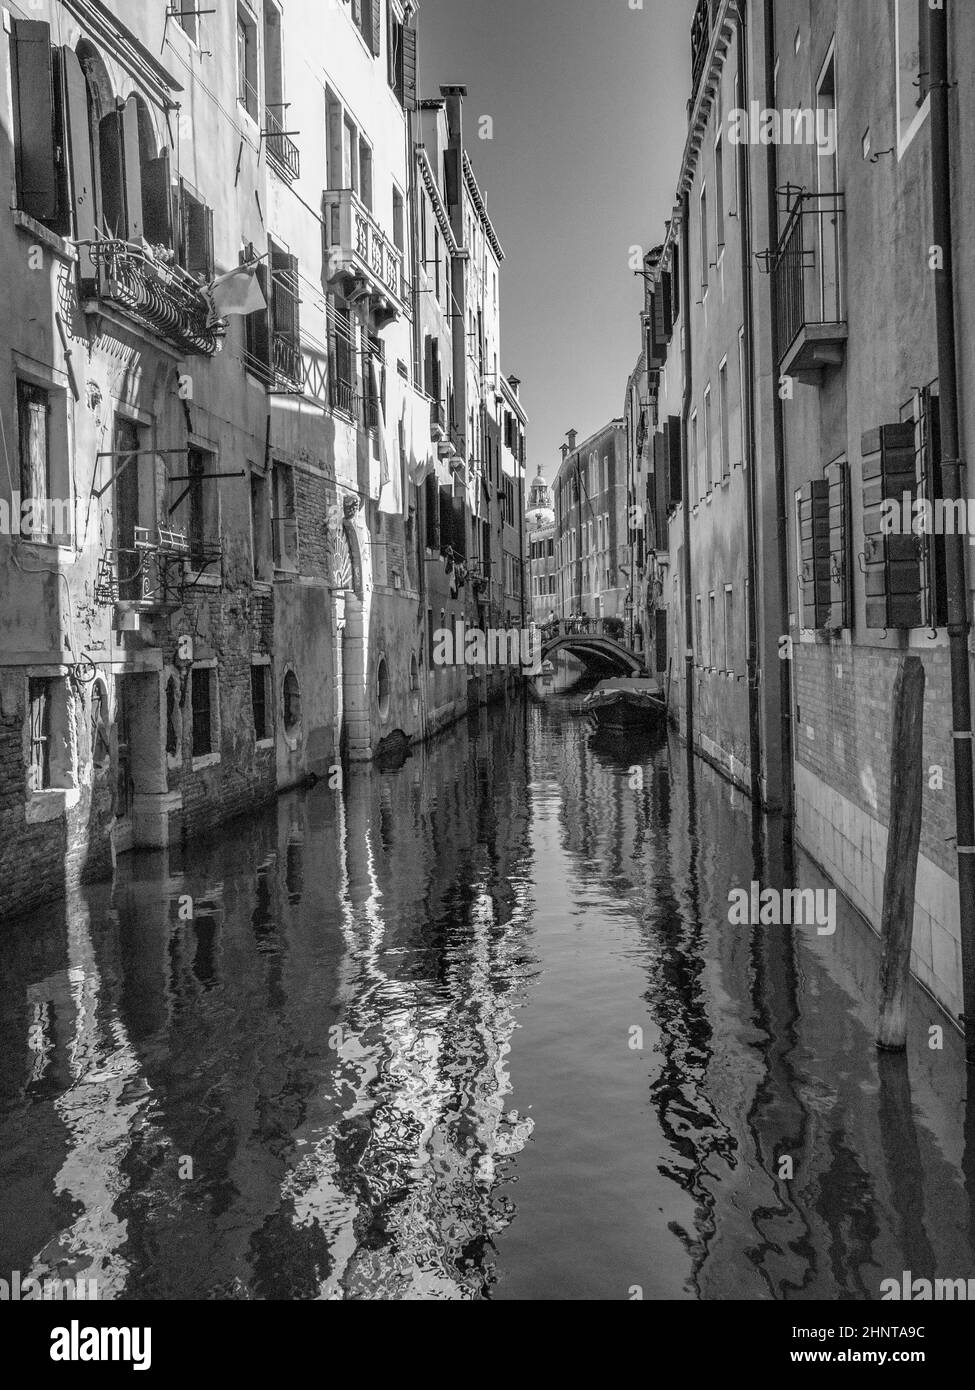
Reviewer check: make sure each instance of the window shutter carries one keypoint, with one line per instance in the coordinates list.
(377, 21)
(392, 46)
(458, 528)
(409, 69)
(928, 470)
(662, 307)
(661, 491)
(112, 174)
(157, 201)
(446, 518)
(197, 234)
(132, 170)
(33, 102)
(79, 150)
(892, 563)
(814, 552)
(432, 499)
(284, 268)
(838, 481)
(674, 458)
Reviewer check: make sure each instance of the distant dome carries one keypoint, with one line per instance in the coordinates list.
(540, 511)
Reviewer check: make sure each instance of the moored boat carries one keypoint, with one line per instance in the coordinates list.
(627, 704)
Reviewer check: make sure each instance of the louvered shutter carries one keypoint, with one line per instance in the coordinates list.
(458, 526)
(377, 20)
(814, 553)
(258, 330)
(284, 268)
(446, 517)
(892, 563)
(661, 489)
(33, 103)
(837, 479)
(157, 201)
(432, 500)
(409, 69)
(663, 322)
(79, 155)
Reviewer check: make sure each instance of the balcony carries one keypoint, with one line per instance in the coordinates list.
(807, 271)
(282, 152)
(287, 364)
(363, 257)
(343, 396)
(160, 297)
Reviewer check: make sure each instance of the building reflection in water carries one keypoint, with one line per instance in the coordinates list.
(372, 1043)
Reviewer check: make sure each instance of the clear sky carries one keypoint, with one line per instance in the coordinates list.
(588, 99)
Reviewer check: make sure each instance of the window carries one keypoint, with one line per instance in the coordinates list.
(398, 232)
(712, 632)
(382, 688)
(709, 450)
(365, 173)
(743, 388)
(283, 308)
(695, 480)
(173, 719)
(261, 529)
(40, 693)
(203, 705)
(185, 14)
(247, 90)
(705, 253)
(261, 701)
(291, 704)
(33, 415)
(719, 193)
(131, 481)
(202, 525)
(100, 745)
(194, 250)
(284, 524)
(729, 629)
(699, 638)
(723, 443)
(367, 16)
(350, 155)
(913, 65)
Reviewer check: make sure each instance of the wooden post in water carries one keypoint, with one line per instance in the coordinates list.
(903, 843)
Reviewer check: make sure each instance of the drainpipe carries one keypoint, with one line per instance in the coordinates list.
(959, 621)
(748, 403)
(778, 437)
(685, 299)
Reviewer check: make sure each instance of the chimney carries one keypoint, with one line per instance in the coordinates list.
(572, 436)
(565, 453)
(454, 99)
(515, 382)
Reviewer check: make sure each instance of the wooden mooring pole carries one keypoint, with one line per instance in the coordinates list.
(903, 843)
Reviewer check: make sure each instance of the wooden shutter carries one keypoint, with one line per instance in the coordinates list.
(196, 234)
(661, 491)
(79, 156)
(662, 309)
(892, 563)
(132, 170)
(814, 552)
(157, 201)
(838, 482)
(458, 526)
(446, 517)
(409, 68)
(934, 580)
(284, 270)
(33, 103)
(376, 26)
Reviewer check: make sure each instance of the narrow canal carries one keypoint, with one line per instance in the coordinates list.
(475, 1028)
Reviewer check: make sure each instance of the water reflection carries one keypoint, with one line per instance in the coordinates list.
(476, 1027)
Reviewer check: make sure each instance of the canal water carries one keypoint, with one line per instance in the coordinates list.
(475, 1028)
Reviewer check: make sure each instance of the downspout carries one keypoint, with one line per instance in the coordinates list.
(778, 437)
(685, 299)
(751, 481)
(959, 621)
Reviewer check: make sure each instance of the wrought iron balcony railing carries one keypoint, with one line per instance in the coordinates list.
(286, 361)
(360, 250)
(343, 396)
(158, 296)
(281, 149)
(807, 270)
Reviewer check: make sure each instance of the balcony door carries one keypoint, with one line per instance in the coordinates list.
(827, 187)
(126, 495)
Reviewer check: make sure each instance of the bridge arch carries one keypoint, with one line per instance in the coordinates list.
(596, 652)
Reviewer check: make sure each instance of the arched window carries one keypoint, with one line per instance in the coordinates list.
(382, 687)
(291, 703)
